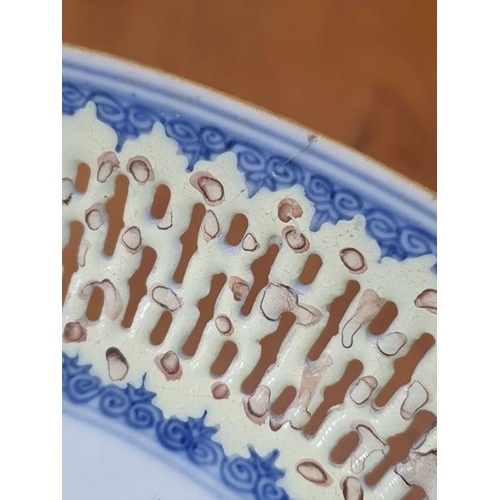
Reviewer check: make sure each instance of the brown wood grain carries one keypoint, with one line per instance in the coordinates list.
(360, 71)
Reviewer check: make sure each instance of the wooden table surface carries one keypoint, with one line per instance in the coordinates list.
(360, 71)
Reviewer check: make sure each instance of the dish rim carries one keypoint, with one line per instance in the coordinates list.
(358, 160)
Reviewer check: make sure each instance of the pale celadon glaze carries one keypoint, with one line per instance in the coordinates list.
(189, 393)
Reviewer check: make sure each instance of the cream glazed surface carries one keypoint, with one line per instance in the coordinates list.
(178, 370)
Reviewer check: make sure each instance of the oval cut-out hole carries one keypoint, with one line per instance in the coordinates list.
(137, 285)
(401, 444)
(260, 270)
(82, 177)
(115, 208)
(404, 368)
(283, 401)
(269, 348)
(224, 359)
(333, 395)
(237, 230)
(311, 269)
(206, 307)
(160, 201)
(70, 255)
(382, 321)
(336, 312)
(159, 332)
(95, 304)
(344, 448)
(189, 242)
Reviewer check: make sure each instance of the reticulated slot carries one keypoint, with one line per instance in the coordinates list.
(333, 395)
(137, 285)
(337, 310)
(161, 201)
(311, 269)
(95, 304)
(416, 493)
(223, 361)
(401, 444)
(237, 230)
(404, 368)
(82, 178)
(159, 332)
(206, 307)
(115, 209)
(189, 242)
(260, 270)
(269, 348)
(344, 448)
(283, 401)
(384, 318)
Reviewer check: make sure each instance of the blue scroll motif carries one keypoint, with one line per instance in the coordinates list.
(262, 169)
(256, 475)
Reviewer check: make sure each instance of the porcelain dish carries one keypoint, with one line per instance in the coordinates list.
(157, 419)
